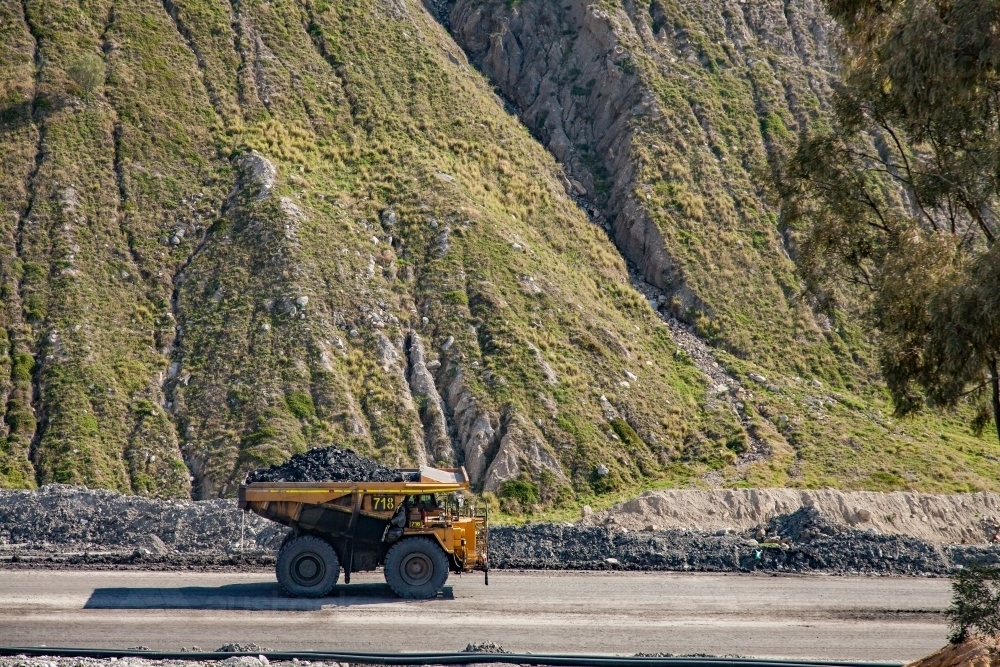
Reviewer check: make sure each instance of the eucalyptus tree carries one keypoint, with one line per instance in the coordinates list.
(896, 202)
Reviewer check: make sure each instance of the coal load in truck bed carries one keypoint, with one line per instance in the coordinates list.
(326, 464)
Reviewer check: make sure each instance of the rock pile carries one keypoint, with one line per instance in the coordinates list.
(484, 647)
(326, 464)
(567, 546)
(62, 518)
(242, 648)
(802, 525)
(64, 526)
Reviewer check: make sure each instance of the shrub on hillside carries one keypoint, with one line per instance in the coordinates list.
(87, 72)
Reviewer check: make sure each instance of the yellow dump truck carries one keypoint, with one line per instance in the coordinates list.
(418, 530)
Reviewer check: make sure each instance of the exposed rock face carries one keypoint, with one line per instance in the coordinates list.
(436, 440)
(520, 445)
(259, 172)
(661, 113)
(493, 447)
(473, 430)
(529, 54)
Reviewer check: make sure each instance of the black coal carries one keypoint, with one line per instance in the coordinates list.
(326, 464)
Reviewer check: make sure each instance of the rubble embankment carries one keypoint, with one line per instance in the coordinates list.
(809, 549)
(971, 518)
(774, 530)
(65, 526)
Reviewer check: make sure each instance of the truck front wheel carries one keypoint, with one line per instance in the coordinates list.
(416, 568)
(308, 567)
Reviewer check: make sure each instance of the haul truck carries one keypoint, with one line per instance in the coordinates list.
(406, 527)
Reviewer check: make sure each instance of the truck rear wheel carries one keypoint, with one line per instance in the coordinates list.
(308, 567)
(416, 568)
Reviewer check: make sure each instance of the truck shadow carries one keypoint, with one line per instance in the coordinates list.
(263, 596)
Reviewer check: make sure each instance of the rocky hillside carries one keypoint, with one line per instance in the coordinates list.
(280, 224)
(271, 224)
(667, 116)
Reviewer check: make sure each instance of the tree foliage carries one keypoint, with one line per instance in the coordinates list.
(975, 603)
(897, 202)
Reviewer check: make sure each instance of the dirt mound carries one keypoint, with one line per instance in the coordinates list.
(65, 526)
(959, 518)
(975, 651)
(326, 464)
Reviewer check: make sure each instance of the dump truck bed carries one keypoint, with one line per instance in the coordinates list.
(431, 480)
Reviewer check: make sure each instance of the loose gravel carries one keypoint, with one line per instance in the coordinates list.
(326, 464)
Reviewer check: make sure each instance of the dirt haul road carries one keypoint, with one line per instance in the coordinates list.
(857, 618)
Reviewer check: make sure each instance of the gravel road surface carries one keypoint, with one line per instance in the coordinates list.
(857, 618)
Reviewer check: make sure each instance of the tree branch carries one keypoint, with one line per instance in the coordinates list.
(909, 173)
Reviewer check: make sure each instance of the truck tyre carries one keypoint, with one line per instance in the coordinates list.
(308, 567)
(416, 568)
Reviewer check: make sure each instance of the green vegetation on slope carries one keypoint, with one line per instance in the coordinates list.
(233, 242)
(174, 307)
(673, 113)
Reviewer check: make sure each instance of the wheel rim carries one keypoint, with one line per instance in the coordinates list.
(416, 569)
(308, 569)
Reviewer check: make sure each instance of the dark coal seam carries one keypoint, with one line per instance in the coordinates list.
(37, 403)
(408, 376)
(505, 418)
(171, 9)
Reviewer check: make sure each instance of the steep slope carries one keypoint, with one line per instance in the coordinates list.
(666, 116)
(280, 224)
